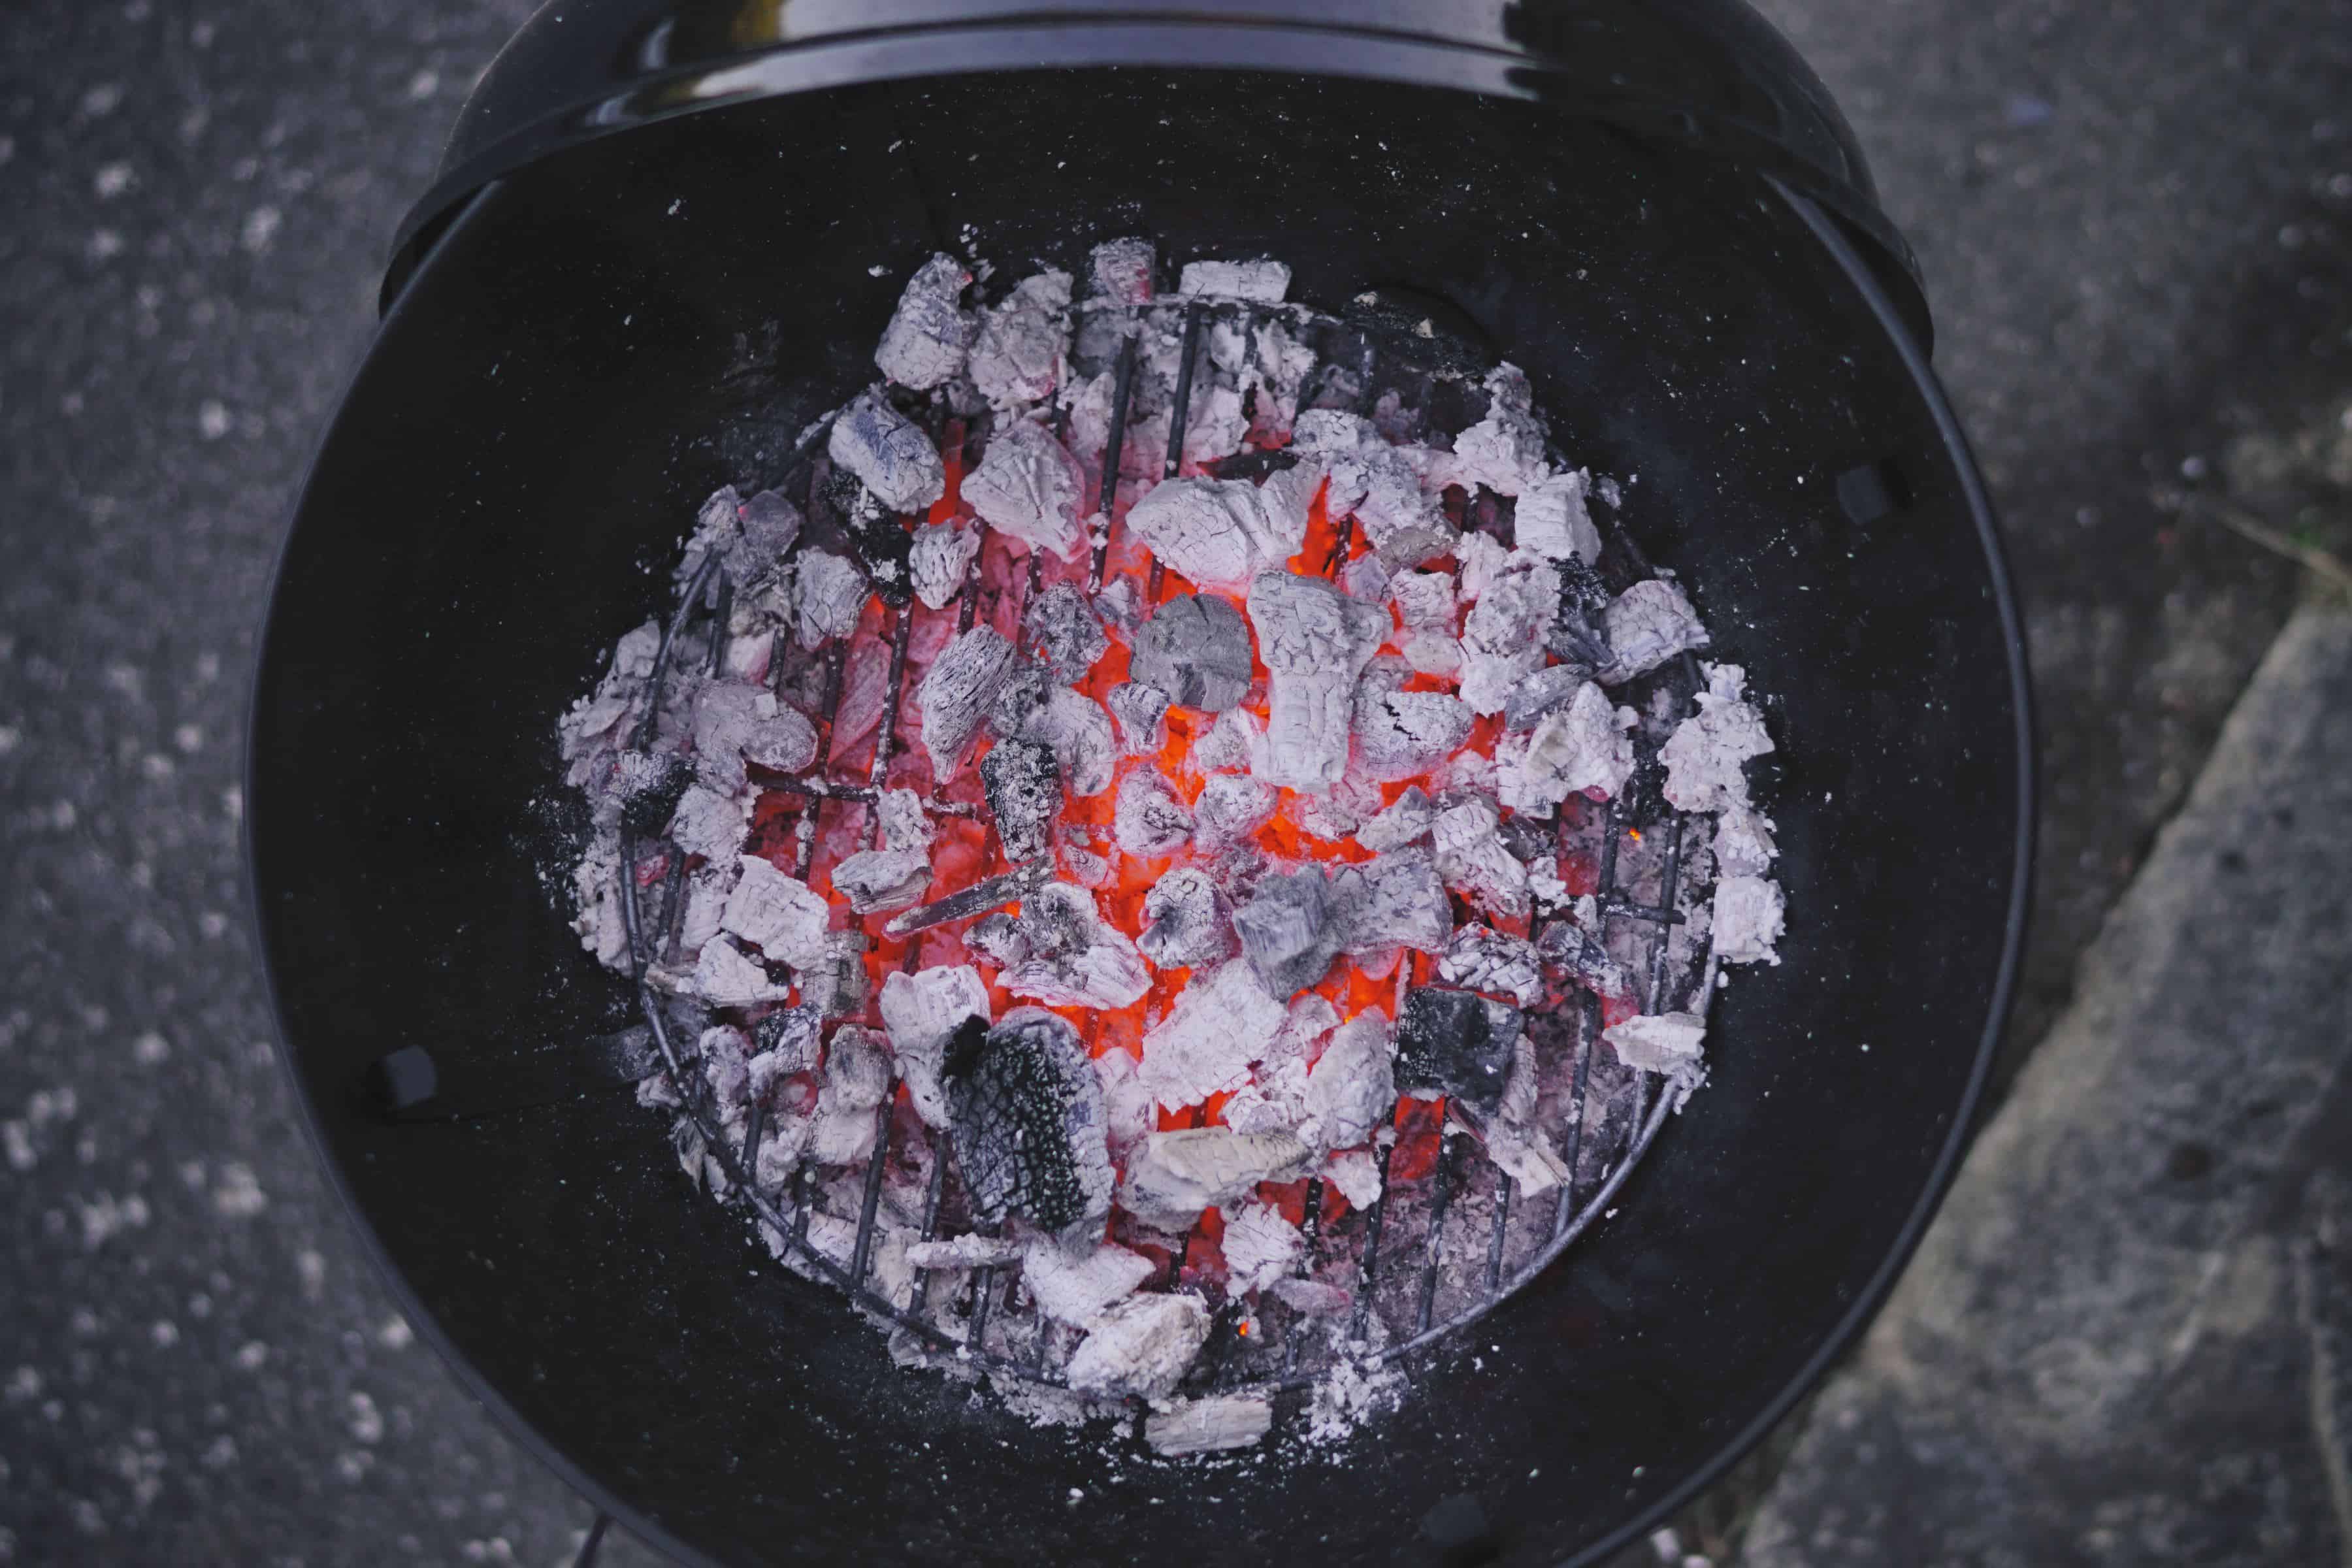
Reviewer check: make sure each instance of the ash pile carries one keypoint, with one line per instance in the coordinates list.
(1174, 848)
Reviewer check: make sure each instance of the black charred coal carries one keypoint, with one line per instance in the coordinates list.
(1024, 795)
(1576, 633)
(1026, 1117)
(1196, 648)
(1457, 1042)
(880, 542)
(1254, 465)
(794, 1030)
(651, 786)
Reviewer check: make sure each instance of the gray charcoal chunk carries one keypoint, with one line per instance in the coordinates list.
(890, 454)
(1119, 270)
(925, 344)
(1457, 1042)
(1024, 795)
(786, 742)
(1398, 824)
(958, 692)
(1231, 808)
(1187, 924)
(1062, 629)
(1150, 818)
(1481, 958)
(939, 559)
(828, 593)
(1401, 734)
(1027, 486)
(1286, 931)
(1315, 640)
(1390, 900)
(1028, 1122)
(1543, 693)
(1017, 356)
(1575, 954)
(1142, 711)
(1196, 648)
(1026, 687)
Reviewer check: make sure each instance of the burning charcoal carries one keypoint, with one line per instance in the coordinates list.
(1351, 1090)
(787, 1039)
(1377, 484)
(1582, 748)
(1260, 1246)
(726, 1054)
(1457, 1042)
(724, 977)
(1390, 900)
(1649, 624)
(1335, 817)
(1075, 1285)
(879, 881)
(784, 743)
(1480, 559)
(967, 1252)
(1102, 969)
(1516, 1139)
(904, 823)
(1132, 1112)
(749, 537)
(1061, 626)
(1503, 637)
(1118, 605)
(1546, 692)
(1141, 1348)
(1402, 734)
(1424, 602)
(1219, 533)
(1027, 685)
(1083, 864)
(1142, 711)
(999, 936)
(1185, 923)
(1217, 427)
(1209, 1425)
(1077, 731)
(1017, 357)
(925, 344)
(1504, 451)
(1552, 521)
(1480, 958)
(1669, 1042)
(1266, 281)
(1221, 1023)
(718, 526)
(709, 823)
(836, 984)
(652, 785)
(957, 693)
(857, 1080)
(882, 545)
(1151, 819)
(1024, 795)
(1575, 955)
(1400, 823)
(1027, 1119)
(1705, 755)
(1743, 843)
(1028, 486)
(1747, 920)
(1119, 270)
(889, 454)
(1474, 862)
(777, 913)
(1195, 648)
(939, 559)
(828, 595)
(1234, 741)
(1230, 807)
(1315, 640)
(988, 893)
(1173, 1177)
(1366, 578)
(1287, 934)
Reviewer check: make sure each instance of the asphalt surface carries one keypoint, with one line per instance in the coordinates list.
(2133, 219)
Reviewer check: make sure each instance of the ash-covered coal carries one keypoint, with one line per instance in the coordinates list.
(1195, 649)
(1024, 795)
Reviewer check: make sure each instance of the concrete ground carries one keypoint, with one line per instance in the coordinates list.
(2134, 219)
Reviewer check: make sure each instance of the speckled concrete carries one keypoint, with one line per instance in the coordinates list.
(2132, 216)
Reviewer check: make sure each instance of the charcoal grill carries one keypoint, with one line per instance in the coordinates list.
(642, 273)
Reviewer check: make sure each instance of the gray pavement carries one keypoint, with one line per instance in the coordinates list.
(2133, 217)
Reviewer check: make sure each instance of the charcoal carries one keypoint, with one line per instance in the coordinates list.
(1542, 693)
(1222, 1022)
(938, 558)
(1669, 1042)
(1119, 270)
(1647, 625)
(1061, 628)
(788, 1038)
(1743, 843)
(1551, 520)
(967, 1252)
(1230, 807)
(1480, 958)
(1747, 920)
(1075, 1285)
(1473, 860)
(1368, 579)
(1395, 899)
(1215, 428)
(1503, 635)
(1516, 1138)
(1173, 1177)
(1705, 756)
(1425, 604)
(718, 529)
(1582, 748)
(885, 551)
(890, 454)
(1028, 486)
(1077, 731)
(1150, 818)
(1377, 484)
(1196, 648)
(725, 976)
(784, 743)
(958, 692)
(1236, 741)
(780, 913)
(651, 785)
(1118, 605)
(1574, 953)
(1265, 281)
(709, 823)
(1457, 1042)
(1351, 1089)
(1141, 710)
(725, 1052)
(1400, 734)
(1313, 1297)
(748, 537)
(855, 1082)
(1504, 451)
(929, 333)
(1401, 822)
(1209, 1425)
(998, 935)
(879, 881)
(1026, 687)
(725, 716)
(828, 595)
(1187, 924)
(1336, 818)
(1141, 1348)
(1315, 640)
(1017, 356)
(904, 823)
(1027, 1121)
(1260, 1246)
(1082, 864)
(1578, 634)
(836, 983)
(1219, 534)
(1071, 956)
(1024, 795)
(1287, 934)
(988, 893)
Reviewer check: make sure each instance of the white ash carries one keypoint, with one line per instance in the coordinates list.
(1647, 625)
(1141, 1348)
(1062, 631)
(1236, 741)
(1401, 734)
(1260, 1246)
(1481, 958)
(889, 453)
(1083, 865)
(857, 1080)
(836, 984)
(1075, 957)
(1077, 731)
(1352, 1086)
(1266, 280)
(1026, 485)
(726, 1053)
(957, 693)
(1349, 1394)
(1186, 924)
(1209, 1425)
(882, 881)
(777, 913)
(1746, 921)
(1478, 558)
(967, 1252)
(1426, 606)
(784, 741)
(1215, 425)
(1546, 692)
(1585, 748)
(1401, 822)
(1119, 270)
(1219, 534)
(1075, 1285)
(1393, 899)
(1366, 577)
(1141, 712)
(1554, 521)
(1472, 858)
(1221, 1023)
(1707, 751)
(1315, 641)
(940, 559)
(828, 593)
(1336, 818)
(1288, 936)
(1379, 485)
(903, 822)
(1669, 1042)
(709, 823)
(1196, 650)
(1150, 819)
(924, 345)
(1173, 1177)
(1504, 451)
(1119, 603)
(1503, 635)
(1743, 843)
(1355, 1176)
(1230, 807)
(596, 895)
(1275, 375)
(1017, 356)
(1128, 1110)
(725, 976)
(1516, 1138)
